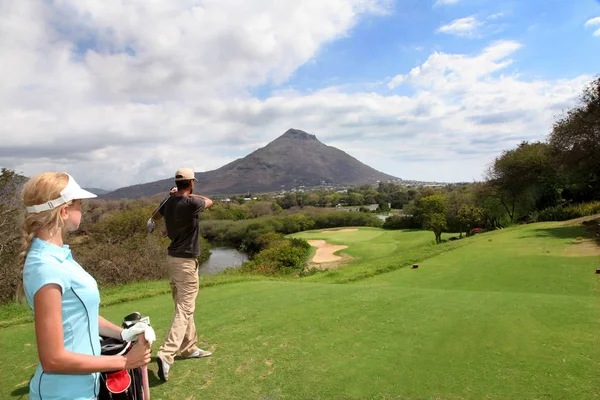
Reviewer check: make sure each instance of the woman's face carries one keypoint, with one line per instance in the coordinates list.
(74, 216)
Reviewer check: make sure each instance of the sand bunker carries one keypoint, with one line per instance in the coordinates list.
(340, 230)
(325, 251)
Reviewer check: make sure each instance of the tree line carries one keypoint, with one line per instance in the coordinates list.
(552, 180)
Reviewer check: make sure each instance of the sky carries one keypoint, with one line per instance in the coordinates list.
(123, 92)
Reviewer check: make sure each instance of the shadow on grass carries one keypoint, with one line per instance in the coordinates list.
(562, 232)
(20, 392)
(153, 380)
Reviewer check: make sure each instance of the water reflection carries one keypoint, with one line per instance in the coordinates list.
(221, 258)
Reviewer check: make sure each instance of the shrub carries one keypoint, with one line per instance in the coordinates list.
(285, 256)
(559, 213)
(246, 234)
(11, 214)
(401, 222)
(141, 257)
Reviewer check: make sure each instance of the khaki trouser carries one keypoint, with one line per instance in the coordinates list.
(181, 339)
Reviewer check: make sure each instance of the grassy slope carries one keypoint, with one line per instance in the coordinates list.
(510, 318)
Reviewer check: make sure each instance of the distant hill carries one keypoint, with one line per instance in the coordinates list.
(294, 159)
(97, 191)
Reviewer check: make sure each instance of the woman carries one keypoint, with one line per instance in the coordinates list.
(64, 297)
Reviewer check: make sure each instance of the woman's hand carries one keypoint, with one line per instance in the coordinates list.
(139, 355)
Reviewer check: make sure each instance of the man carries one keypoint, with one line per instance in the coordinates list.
(180, 212)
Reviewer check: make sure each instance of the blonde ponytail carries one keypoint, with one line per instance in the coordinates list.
(39, 190)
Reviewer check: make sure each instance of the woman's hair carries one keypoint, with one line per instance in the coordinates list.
(39, 190)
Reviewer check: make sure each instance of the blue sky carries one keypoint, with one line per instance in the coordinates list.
(120, 92)
(557, 43)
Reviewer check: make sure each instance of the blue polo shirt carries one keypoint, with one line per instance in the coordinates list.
(46, 264)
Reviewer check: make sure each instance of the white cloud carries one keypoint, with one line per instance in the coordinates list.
(123, 93)
(396, 81)
(445, 2)
(466, 27)
(496, 16)
(593, 22)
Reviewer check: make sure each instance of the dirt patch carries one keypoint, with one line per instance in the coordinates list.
(583, 248)
(340, 230)
(588, 245)
(579, 221)
(325, 257)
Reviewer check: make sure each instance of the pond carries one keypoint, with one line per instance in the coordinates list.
(221, 258)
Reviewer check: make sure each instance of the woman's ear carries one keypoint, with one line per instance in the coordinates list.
(64, 212)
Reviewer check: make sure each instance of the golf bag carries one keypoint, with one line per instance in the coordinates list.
(124, 384)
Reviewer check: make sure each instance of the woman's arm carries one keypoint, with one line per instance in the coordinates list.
(50, 341)
(108, 329)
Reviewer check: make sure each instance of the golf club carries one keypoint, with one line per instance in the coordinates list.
(150, 224)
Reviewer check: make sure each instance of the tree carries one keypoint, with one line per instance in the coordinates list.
(332, 199)
(398, 199)
(576, 140)
(436, 222)
(433, 210)
(383, 207)
(356, 199)
(370, 198)
(520, 177)
(287, 201)
(456, 198)
(470, 217)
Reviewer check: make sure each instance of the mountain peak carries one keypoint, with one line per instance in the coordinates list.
(297, 134)
(294, 159)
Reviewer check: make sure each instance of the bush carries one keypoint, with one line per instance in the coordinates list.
(285, 256)
(141, 257)
(559, 213)
(401, 222)
(245, 234)
(122, 225)
(11, 215)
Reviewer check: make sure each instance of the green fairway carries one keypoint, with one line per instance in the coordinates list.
(368, 244)
(512, 314)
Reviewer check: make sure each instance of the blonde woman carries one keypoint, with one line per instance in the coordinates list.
(64, 297)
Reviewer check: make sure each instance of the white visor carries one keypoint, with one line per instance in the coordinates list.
(71, 192)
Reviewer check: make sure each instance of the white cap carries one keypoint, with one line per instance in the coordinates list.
(71, 192)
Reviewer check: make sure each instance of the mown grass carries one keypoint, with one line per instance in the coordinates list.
(377, 251)
(16, 313)
(512, 314)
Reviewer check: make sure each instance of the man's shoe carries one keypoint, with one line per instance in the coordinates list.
(200, 354)
(163, 369)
